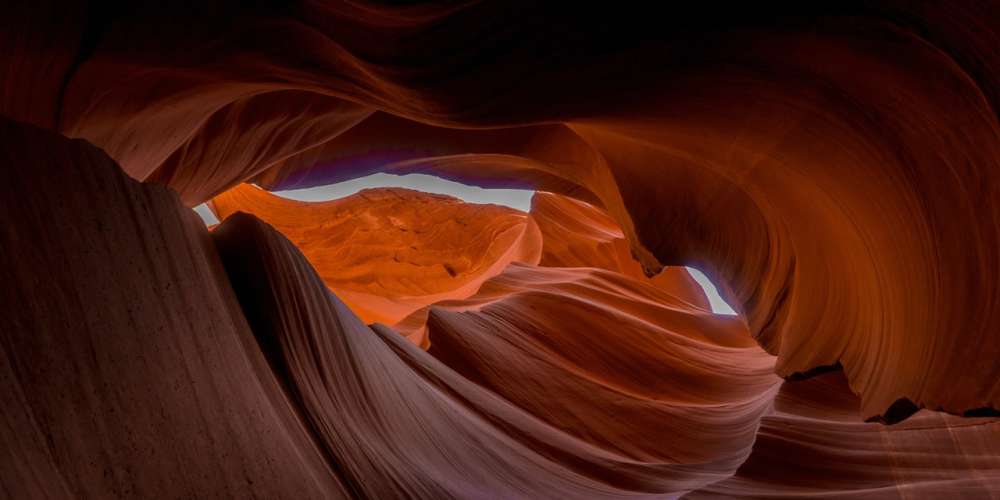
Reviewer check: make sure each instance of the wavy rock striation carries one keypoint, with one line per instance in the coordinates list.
(831, 165)
(577, 234)
(127, 367)
(708, 141)
(394, 422)
(614, 362)
(819, 186)
(814, 446)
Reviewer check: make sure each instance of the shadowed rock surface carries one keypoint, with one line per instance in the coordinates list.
(128, 369)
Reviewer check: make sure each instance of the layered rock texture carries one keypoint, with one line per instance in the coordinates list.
(388, 252)
(833, 167)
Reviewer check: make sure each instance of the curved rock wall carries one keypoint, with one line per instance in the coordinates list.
(832, 166)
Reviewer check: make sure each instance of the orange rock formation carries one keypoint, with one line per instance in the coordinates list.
(388, 252)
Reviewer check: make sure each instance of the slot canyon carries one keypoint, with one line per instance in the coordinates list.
(832, 168)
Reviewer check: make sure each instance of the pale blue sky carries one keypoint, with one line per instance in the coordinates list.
(719, 306)
(519, 199)
(514, 198)
(206, 214)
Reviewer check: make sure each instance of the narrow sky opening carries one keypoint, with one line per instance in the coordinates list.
(719, 306)
(519, 199)
(206, 214)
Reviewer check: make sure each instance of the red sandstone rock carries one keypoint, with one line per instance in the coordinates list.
(832, 166)
(613, 361)
(841, 197)
(389, 252)
(395, 422)
(814, 446)
(577, 234)
(127, 368)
